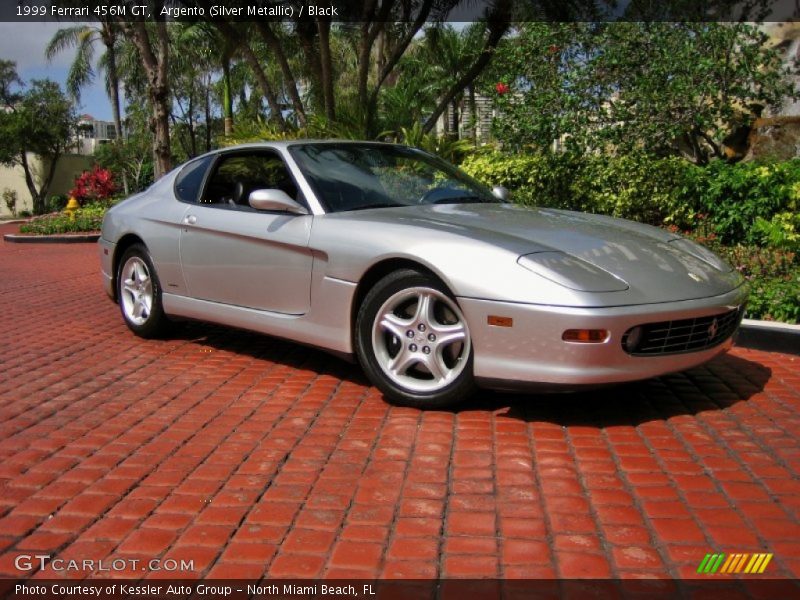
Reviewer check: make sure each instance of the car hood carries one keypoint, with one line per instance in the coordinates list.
(629, 257)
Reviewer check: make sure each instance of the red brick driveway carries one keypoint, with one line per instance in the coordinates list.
(253, 456)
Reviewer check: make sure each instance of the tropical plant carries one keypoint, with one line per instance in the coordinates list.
(663, 88)
(96, 185)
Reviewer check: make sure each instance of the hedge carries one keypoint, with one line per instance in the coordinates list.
(739, 203)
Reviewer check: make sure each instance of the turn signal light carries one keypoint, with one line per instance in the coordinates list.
(499, 321)
(585, 336)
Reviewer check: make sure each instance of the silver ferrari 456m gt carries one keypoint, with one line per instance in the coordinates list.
(434, 283)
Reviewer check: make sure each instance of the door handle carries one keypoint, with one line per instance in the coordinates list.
(190, 220)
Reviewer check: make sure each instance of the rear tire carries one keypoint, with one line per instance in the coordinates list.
(413, 341)
(139, 294)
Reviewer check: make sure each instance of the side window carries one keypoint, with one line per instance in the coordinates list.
(189, 180)
(237, 175)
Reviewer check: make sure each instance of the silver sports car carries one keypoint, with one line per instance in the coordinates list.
(435, 283)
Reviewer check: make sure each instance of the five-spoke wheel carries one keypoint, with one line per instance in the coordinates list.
(137, 290)
(139, 293)
(413, 341)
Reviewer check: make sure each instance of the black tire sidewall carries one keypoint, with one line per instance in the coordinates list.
(458, 390)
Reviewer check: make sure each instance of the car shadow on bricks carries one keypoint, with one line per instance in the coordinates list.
(249, 345)
(718, 385)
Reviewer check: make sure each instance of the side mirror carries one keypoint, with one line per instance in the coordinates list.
(500, 193)
(277, 200)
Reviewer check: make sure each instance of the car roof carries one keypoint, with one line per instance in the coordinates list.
(286, 143)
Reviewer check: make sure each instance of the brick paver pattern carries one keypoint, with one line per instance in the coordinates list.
(254, 456)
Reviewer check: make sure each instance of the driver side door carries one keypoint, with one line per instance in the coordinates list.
(233, 254)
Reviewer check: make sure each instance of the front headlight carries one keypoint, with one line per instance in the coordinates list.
(703, 253)
(572, 272)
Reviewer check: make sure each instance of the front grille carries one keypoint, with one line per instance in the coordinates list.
(685, 335)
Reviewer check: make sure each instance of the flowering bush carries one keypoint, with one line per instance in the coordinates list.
(93, 186)
(501, 88)
(86, 220)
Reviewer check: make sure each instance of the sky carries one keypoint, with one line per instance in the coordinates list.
(24, 43)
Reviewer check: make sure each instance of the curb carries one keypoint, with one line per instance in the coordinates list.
(769, 336)
(78, 238)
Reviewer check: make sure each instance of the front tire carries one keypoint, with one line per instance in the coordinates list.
(139, 294)
(413, 341)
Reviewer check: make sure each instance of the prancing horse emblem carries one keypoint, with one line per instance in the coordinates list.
(712, 329)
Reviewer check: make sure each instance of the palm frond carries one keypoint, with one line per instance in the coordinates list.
(67, 37)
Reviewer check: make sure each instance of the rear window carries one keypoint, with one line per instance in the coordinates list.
(189, 180)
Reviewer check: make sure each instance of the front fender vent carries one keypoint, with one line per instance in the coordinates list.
(685, 335)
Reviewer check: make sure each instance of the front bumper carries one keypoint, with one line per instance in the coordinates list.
(531, 351)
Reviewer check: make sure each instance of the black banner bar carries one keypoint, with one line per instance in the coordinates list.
(434, 589)
(345, 11)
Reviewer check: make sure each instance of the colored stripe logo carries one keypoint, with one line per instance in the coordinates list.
(750, 564)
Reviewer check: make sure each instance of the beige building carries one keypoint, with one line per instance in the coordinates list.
(68, 168)
(92, 133)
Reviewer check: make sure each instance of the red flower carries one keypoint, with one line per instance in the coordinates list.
(553, 49)
(97, 184)
(501, 88)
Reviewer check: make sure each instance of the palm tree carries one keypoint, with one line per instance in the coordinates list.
(81, 72)
(202, 45)
(450, 53)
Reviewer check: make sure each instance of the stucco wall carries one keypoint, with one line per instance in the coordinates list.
(69, 166)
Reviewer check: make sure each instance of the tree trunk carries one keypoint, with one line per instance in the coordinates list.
(289, 82)
(499, 22)
(473, 113)
(391, 62)
(227, 99)
(109, 39)
(326, 68)
(208, 114)
(192, 130)
(306, 33)
(230, 34)
(367, 41)
(397, 53)
(38, 196)
(156, 63)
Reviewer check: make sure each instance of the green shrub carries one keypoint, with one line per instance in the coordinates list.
(632, 187)
(57, 202)
(87, 219)
(775, 299)
(736, 196)
(532, 179)
(743, 203)
(637, 187)
(10, 199)
(782, 231)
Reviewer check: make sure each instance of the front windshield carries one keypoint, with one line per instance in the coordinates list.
(351, 176)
